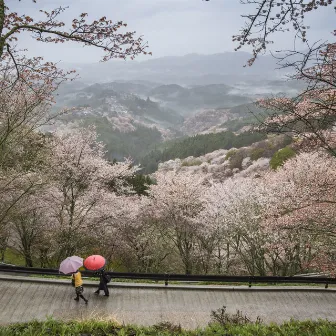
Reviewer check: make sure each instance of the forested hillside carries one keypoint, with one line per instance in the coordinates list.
(196, 146)
(120, 145)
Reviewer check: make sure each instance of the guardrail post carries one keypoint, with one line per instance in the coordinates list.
(250, 283)
(326, 285)
(166, 279)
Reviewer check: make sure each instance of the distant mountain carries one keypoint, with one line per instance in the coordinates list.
(110, 101)
(137, 105)
(196, 98)
(169, 92)
(194, 69)
(137, 87)
(128, 125)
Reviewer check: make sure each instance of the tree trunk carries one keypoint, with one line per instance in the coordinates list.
(2, 20)
(28, 259)
(3, 251)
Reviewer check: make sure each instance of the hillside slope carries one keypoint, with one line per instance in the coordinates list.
(221, 164)
(188, 100)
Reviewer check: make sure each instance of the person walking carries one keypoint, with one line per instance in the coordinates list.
(104, 279)
(78, 283)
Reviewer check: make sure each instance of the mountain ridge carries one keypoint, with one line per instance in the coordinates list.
(188, 69)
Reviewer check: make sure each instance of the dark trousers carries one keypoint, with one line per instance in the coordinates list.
(103, 286)
(79, 293)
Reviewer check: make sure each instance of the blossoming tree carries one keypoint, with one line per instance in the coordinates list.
(305, 200)
(178, 198)
(78, 193)
(101, 33)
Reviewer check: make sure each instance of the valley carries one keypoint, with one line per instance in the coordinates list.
(135, 117)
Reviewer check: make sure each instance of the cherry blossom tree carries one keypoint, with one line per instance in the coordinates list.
(27, 85)
(305, 201)
(101, 33)
(137, 240)
(304, 185)
(30, 226)
(236, 207)
(311, 116)
(16, 188)
(23, 149)
(177, 200)
(234, 219)
(78, 195)
(275, 16)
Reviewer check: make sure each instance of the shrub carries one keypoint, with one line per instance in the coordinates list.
(195, 162)
(223, 318)
(257, 153)
(282, 155)
(169, 327)
(230, 153)
(237, 158)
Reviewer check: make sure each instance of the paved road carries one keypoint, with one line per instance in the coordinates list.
(23, 299)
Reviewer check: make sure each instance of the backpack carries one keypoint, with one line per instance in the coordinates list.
(108, 278)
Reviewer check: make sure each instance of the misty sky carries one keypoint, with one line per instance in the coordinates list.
(171, 27)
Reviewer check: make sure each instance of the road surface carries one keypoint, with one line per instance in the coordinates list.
(25, 299)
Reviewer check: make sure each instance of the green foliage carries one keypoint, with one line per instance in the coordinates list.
(266, 149)
(281, 156)
(257, 153)
(235, 125)
(99, 328)
(29, 152)
(194, 162)
(222, 317)
(197, 145)
(140, 184)
(13, 257)
(237, 158)
(230, 153)
(119, 144)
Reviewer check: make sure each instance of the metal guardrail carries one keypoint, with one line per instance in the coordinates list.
(180, 277)
(314, 275)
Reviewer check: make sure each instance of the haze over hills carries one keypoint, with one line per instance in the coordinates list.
(187, 100)
(193, 69)
(137, 105)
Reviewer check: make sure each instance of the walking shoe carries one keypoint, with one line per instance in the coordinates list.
(76, 299)
(96, 292)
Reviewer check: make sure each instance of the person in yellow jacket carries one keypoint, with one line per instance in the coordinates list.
(78, 283)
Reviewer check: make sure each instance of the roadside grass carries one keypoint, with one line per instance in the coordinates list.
(104, 328)
(13, 257)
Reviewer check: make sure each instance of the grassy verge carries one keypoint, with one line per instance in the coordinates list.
(13, 257)
(105, 328)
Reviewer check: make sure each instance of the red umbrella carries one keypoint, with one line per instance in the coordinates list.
(94, 263)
